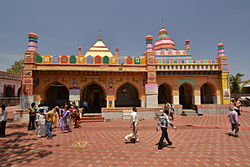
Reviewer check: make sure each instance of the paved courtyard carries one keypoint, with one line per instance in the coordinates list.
(198, 141)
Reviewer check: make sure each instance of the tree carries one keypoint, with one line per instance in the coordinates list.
(16, 68)
(236, 84)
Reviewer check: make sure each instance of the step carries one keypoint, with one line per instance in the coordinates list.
(91, 121)
(89, 118)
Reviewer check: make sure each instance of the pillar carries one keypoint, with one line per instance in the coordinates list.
(143, 101)
(110, 101)
(176, 95)
(197, 95)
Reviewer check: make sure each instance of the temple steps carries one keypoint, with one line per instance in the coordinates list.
(91, 118)
(189, 112)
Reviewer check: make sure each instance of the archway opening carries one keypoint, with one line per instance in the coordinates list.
(57, 95)
(19, 92)
(93, 98)
(164, 94)
(186, 96)
(127, 96)
(9, 91)
(207, 94)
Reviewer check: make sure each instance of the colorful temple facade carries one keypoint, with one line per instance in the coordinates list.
(109, 82)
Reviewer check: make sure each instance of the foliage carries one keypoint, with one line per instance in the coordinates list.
(16, 68)
(236, 84)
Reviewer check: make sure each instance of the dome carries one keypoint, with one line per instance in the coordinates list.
(32, 34)
(220, 44)
(164, 42)
(149, 37)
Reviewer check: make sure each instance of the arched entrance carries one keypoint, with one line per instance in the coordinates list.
(19, 92)
(127, 96)
(164, 94)
(94, 95)
(186, 95)
(57, 95)
(207, 94)
(9, 91)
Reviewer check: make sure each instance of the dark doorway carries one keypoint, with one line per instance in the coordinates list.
(164, 94)
(207, 93)
(57, 95)
(9, 91)
(127, 96)
(94, 97)
(186, 96)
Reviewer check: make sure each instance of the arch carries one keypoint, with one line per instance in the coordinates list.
(127, 95)
(89, 60)
(9, 91)
(19, 92)
(72, 59)
(93, 97)
(39, 59)
(56, 94)
(186, 95)
(98, 60)
(105, 60)
(208, 93)
(165, 94)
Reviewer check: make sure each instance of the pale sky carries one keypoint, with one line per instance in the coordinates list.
(64, 25)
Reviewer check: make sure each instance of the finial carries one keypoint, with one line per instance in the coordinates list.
(162, 24)
(100, 35)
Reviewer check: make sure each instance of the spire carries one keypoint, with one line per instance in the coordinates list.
(100, 35)
(162, 24)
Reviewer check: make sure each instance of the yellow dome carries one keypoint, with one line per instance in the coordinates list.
(99, 49)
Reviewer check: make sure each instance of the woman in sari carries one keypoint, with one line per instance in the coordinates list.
(65, 120)
(41, 126)
(55, 117)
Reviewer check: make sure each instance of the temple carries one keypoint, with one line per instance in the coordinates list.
(110, 83)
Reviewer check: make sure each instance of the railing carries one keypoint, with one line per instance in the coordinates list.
(185, 67)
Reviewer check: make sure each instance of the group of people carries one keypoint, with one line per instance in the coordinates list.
(162, 122)
(65, 118)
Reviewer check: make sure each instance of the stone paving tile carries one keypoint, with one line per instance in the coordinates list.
(198, 141)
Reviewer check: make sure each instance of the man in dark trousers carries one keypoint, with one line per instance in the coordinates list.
(3, 121)
(32, 114)
(163, 123)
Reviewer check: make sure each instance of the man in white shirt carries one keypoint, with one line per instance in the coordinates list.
(3, 121)
(134, 126)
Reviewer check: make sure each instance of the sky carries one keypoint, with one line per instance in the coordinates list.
(64, 25)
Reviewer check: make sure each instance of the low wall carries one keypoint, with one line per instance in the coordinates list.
(214, 109)
(21, 115)
(10, 101)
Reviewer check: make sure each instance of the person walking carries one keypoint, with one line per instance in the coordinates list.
(3, 121)
(168, 108)
(49, 120)
(163, 123)
(134, 126)
(32, 117)
(233, 118)
(41, 123)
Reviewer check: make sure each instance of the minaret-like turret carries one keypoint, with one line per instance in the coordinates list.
(149, 43)
(33, 39)
(187, 45)
(220, 50)
(116, 52)
(79, 51)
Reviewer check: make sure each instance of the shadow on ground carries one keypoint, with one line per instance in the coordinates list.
(19, 148)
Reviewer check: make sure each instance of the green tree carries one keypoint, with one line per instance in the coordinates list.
(16, 68)
(236, 84)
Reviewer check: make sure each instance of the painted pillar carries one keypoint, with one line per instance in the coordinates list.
(176, 95)
(223, 65)
(27, 96)
(197, 95)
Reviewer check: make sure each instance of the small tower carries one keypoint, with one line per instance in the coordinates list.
(149, 43)
(33, 39)
(187, 45)
(116, 52)
(79, 51)
(220, 50)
